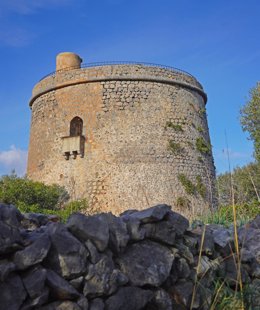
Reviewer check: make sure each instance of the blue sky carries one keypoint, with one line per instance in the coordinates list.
(216, 41)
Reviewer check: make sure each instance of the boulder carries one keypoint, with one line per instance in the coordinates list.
(67, 255)
(146, 263)
(118, 234)
(33, 254)
(94, 228)
(6, 267)
(153, 214)
(34, 281)
(161, 301)
(162, 231)
(103, 278)
(12, 293)
(32, 221)
(135, 230)
(77, 283)
(94, 255)
(97, 304)
(82, 302)
(10, 238)
(41, 299)
(60, 288)
(10, 215)
(182, 293)
(129, 298)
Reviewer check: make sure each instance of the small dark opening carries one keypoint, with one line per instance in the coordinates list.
(76, 126)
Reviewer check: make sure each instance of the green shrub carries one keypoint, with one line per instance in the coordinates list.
(224, 214)
(35, 197)
(202, 146)
(63, 213)
(176, 127)
(189, 187)
(200, 159)
(183, 202)
(14, 190)
(202, 111)
(200, 187)
(200, 129)
(174, 147)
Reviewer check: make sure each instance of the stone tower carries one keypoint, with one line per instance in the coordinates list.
(122, 135)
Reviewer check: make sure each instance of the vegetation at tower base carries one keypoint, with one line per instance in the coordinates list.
(36, 197)
(250, 118)
(141, 260)
(246, 185)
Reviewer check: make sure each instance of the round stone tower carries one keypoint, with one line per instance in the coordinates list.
(123, 135)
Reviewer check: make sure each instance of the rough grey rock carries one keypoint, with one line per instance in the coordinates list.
(179, 222)
(10, 215)
(97, 304)
(60, 288)
(161, 301)
(146, 263)
(182, 293)
(34, 253)
(94, 256)
(129, 298)
(165, 262)
(162, 231)
(134, 228)
(153, 214)
(10, 238)
(255, 223)
(12, 293)
(77, 282)
(67, 255)
(37, 301)
(254, 269)
(221, 235)
(182, 268)
(32, 221)
(61, 305)
(228, 271)
(82, 302)
(5, 268)
(34, 281)
(249, 239)
(254, 288)
(185, 252)
(118, 235)
(94, 228)
(102, 278)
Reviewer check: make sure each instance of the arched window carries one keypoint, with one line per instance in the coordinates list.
(76, 126)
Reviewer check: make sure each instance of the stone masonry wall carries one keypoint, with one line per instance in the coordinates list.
(142, 260)
(141, 127)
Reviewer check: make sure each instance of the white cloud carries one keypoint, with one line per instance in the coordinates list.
(13, 159)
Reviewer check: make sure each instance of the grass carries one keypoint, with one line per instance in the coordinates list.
(202, 146)
(239, 297)
(63, 213)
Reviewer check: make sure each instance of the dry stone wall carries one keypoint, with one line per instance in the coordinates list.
(142, 127)
(141, 260)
